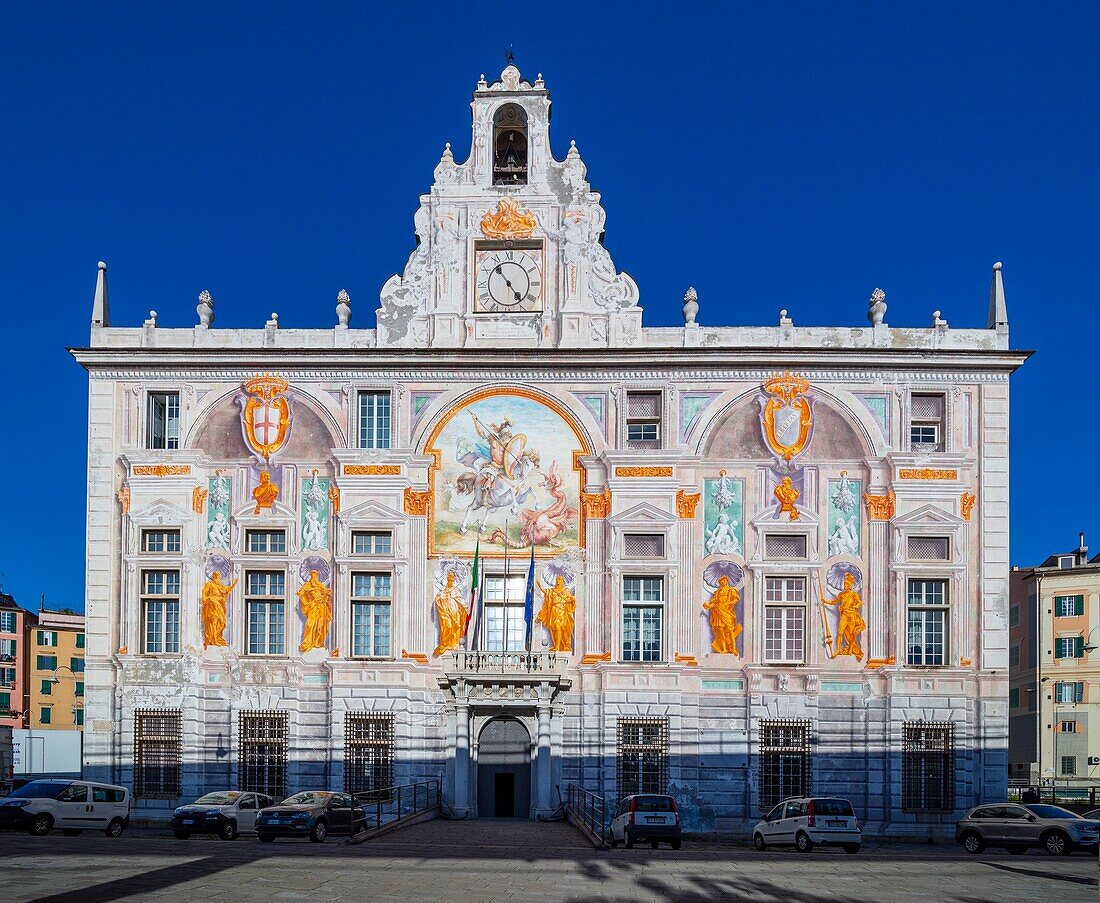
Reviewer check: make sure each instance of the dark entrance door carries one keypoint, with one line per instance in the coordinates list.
(504, 770)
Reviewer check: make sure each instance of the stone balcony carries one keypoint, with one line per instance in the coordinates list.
(512, 678)
(511, 663)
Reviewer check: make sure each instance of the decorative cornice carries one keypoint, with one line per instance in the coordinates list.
(927, 473)
(161, 470)
(372, 470)
(661, 471)
(686, 503)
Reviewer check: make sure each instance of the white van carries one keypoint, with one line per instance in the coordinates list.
(72, 806)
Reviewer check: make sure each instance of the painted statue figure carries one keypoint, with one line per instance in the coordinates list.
(452, 616)
(721, 538)
(499, 468)
(217, 536)
(851, 624)
(314, 533)
(214, 596)
(316, 601)
(786, 495)
(723, 617)
(559, 608)
(266, 493)
(844, 540)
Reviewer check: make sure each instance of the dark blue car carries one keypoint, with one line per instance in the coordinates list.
(312, 813)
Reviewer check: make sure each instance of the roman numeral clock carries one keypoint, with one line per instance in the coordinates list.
(508, 276)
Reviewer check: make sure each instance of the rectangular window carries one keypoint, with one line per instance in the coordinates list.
(643, 614)
(926, 419)
(1014, 616)
(266, 607)
(45, 716)
(784, 760)
(160, 540)
(1065, 562)
(46, 688)
(1069, 606)
(1069, 647)
(643, 545)
(928, 548)
(80, 688)
(47, 638)
(927, 622)
(7, 650)
(1014, 698)
(1069, 764)
(374, 419)
(7, 622)
(642, 752)
(779, 546)
(158, 752)
(368, 751)
(76, 665)
(80, 641)
(263, 745)
(504, 630)
(1067, 727)
(643, 419)
(160, 602)
(785, 620)
(928, 766)
(269, 542)
(1069, 691)
(79, 713)
(371, 595)
(163, 429)
(1014, 657)
(5, 703)
(45, 663)
(371, 542)
(7, 677)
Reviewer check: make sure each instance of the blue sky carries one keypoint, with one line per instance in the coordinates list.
(774, 155)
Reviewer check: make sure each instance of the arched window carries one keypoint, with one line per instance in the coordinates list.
(510, 145)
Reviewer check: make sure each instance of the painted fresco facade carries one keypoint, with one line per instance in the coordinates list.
(786, 546)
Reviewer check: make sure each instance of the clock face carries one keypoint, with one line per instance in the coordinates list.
(508, 280)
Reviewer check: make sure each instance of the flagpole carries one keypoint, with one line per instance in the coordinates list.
(504, 631)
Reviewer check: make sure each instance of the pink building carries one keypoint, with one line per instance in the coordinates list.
(14, 623)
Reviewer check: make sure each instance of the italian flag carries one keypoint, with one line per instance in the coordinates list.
(473, 592)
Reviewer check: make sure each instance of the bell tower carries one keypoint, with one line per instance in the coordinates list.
(510, 250)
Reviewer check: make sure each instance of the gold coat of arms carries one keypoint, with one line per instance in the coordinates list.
(266, 414)
(786, 416)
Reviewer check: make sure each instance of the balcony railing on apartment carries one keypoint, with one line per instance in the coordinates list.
(479, 662)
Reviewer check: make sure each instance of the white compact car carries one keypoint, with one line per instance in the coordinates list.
(804, 822)
(643, 817)
(72, 806)
(224, 812)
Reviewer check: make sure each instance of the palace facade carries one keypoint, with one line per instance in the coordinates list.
(767, 560)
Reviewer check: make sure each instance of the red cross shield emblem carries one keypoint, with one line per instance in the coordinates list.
(266, 415)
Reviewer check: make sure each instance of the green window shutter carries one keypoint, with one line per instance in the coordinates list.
(1078, 605)
(1079, 692)
(80, 717)
(1078, 647)
(80, 688)
(80, 641)
(45, 719)
(47, 688)
(5, 702)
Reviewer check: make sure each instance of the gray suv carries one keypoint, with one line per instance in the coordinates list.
(1017, 828)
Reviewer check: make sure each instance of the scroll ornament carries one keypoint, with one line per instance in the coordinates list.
(508, 222)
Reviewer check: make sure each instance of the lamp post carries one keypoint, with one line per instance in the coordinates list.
(55, 680)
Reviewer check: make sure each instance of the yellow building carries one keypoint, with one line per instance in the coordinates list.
(56, 668)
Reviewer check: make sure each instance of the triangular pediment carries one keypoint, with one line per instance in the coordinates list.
(371, 511)
(160, 512)
(768, 519)
(928, 516)
(643, 515)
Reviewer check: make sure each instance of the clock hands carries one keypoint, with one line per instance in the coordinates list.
(500, 269)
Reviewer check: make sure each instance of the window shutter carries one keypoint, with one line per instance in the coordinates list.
(1078, 605)
(1078, 647)
(1079, 691)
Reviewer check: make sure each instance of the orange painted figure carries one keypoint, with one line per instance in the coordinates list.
(266, 493)
(452, 616)
(723, 617)
(316, 602)
(558, 612)
(851, 624)
(214, 596)
(787, 495)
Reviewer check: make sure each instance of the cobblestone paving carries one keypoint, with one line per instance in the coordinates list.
(494, 860)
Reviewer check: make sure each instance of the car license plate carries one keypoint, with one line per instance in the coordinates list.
(280, 821)
(835, 824)
(188, 821)
(654, 820)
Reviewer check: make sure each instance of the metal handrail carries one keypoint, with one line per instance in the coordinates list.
(588, 808)
(504, 662)
(388, 804)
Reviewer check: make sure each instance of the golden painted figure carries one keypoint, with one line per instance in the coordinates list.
(787, 495)
(316, 601)
(851, 624)
(723, 617)
(559, 608)
(214, 596)
(266, 493)
(452, 616)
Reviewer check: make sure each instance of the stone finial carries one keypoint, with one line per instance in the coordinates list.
(151, 323)
(273, 323)
(937, 322)
(447, 156)
(876, 307)
(343, 306)
(691, 305)
(101, 308)
(205, 309)
(481, 83)
(539, 83)
(573, 152)
(998, 310)
(784, 320)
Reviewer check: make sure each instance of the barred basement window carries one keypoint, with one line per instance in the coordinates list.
(784, 760)
(158, 751)
(263, 741)
(928, 766)
(368, 751)
(928, 548)
(642, 749)
(643, 545)
(1069, 764)
(780, 546)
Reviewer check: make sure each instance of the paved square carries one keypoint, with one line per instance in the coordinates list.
(517, 860)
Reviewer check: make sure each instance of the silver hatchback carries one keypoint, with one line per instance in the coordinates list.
(1020, 827)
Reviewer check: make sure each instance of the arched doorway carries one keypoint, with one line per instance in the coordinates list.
(504, 770)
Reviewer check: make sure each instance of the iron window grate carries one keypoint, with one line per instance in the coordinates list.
(644, 545)
(263, 754)
(158, 749)
(368, 751)
(928, 766)
(928, 548)
(779, 546)
(642, 747)
(784, 760)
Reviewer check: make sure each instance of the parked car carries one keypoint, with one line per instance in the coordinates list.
(1019, 827)
(805, 822)
(1093, 814)
(649, 817)
(72, 806)
(314, 814)
(225, 813)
